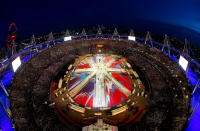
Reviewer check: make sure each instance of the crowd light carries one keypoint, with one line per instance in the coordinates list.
(133, 38)
(67, 38)
(183, 63)
(16, 63)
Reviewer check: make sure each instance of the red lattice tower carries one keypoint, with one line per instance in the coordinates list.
(12, 34)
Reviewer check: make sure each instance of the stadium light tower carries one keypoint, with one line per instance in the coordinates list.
(99, 33)
(166, 44)
(83, 33)
(67, 33)
(187, 52)
(115, 34)
(131, 33)
(131, 36)
(67, 36)
(187, 49)
(33, 41)
(148, 39)
(50, 39)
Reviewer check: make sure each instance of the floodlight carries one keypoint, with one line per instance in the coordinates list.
(132, 38)
(183, 63)
(16, 63)
(67, 38)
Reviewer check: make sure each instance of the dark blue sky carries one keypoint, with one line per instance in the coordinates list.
(179, 18)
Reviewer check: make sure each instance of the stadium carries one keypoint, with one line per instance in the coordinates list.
(99, 82)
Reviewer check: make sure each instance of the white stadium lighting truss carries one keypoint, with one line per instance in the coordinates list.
(67, 38)
(183, 63)
(133, 38)
(16, 63)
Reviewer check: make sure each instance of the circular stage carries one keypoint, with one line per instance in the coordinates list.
(124, 83)
(96, 80)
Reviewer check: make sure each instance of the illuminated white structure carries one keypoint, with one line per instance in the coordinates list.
(16, 64)
(132, 38)
(183, 63)
(67, 38)
(99, 92)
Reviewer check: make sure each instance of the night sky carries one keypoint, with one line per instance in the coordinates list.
(177, 18)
